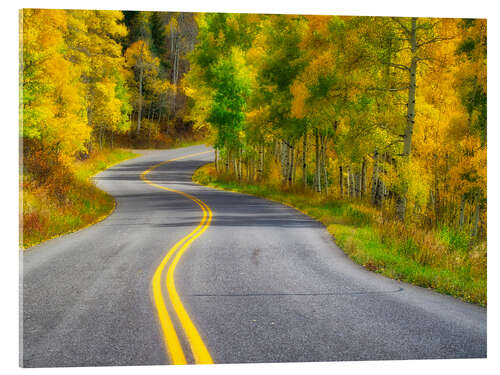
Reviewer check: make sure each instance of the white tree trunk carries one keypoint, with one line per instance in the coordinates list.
(410, 114)
(141, 76)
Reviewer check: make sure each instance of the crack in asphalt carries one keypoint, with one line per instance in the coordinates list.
(295, 294)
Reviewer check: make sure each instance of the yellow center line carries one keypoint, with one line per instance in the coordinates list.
(172, 343)
(200, 352)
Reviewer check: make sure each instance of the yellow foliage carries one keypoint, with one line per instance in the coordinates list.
(53, 110)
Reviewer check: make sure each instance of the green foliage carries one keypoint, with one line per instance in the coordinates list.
(220, 55)
(227, 113)
(158, 33)
(467, 46)
(123, 95)
(282, 63)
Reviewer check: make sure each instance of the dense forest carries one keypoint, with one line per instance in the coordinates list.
(383, 113)
(92, 81)
(89, 77)
(375, 126)
(385, 110)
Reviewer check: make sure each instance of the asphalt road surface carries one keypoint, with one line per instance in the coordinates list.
(260, 282)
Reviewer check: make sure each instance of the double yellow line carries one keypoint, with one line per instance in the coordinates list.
(172, 343)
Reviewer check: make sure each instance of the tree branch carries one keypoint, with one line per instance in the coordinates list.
(433, 40)
(392, 144)
(399, 66)
(402, 49)
(285, 142)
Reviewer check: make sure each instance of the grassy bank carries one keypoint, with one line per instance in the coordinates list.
(66, 201)
(438, 259)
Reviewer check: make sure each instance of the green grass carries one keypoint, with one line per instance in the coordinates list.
(441, 259)
(47, 214)
(87, 168)
(455, 240)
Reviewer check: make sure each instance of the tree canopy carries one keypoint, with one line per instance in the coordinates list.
(387, 110)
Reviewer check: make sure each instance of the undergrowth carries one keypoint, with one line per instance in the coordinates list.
(57, 199)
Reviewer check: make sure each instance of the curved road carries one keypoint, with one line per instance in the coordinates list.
(262, 283)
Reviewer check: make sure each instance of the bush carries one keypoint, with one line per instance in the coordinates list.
(57, 199)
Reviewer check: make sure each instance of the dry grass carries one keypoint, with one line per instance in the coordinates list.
(63, 199)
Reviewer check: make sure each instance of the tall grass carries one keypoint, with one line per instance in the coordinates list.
(440, 259)
(64, 200)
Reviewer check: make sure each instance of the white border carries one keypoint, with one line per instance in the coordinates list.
(9, 151)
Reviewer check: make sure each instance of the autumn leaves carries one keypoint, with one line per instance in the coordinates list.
(387, 110)
(350, 104)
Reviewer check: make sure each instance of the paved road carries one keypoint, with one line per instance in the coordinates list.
(263, 283)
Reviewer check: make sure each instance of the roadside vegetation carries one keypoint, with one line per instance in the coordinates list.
(92, 82)
(58, 199)
(442, 259)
